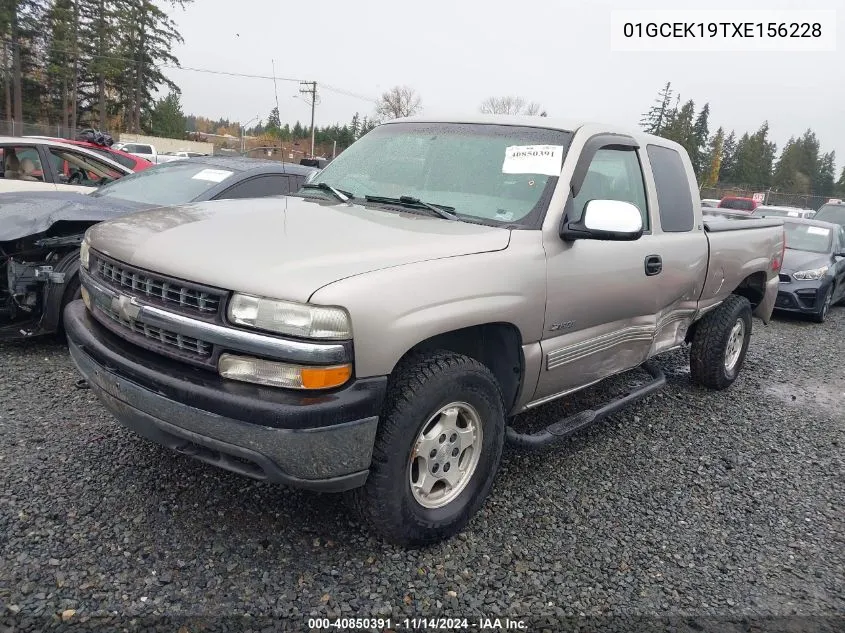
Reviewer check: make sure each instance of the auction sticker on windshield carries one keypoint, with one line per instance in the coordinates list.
(818, 230)
(212, 175)
(533, 159)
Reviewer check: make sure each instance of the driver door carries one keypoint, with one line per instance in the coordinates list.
(601, 301)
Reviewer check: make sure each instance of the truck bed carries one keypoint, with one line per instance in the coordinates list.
(738, 248)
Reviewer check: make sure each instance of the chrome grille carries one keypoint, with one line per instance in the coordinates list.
(170, 293)
(189, 344)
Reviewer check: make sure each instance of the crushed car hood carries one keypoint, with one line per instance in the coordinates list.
(794, 261)
(284, 247)
(29, 213)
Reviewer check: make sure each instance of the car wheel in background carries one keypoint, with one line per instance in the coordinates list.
(826, 301)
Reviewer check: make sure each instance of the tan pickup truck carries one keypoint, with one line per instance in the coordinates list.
(378, 330)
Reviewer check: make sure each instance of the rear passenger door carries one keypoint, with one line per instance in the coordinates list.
(681, 245)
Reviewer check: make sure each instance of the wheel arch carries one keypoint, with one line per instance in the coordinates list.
(496, 345)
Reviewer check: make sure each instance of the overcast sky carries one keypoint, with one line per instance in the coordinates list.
(457, 52)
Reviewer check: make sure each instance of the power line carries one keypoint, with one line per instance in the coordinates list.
(209, 71)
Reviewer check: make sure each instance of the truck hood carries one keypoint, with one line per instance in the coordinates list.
(29, 213)
(793, 261)
(284, 247)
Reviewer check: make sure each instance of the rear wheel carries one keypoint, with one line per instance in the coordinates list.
(826, 302)
(720, 342)
(437, 449)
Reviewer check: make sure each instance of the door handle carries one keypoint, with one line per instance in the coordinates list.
(653, 265)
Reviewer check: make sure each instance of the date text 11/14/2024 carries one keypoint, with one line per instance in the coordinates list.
(418, 624)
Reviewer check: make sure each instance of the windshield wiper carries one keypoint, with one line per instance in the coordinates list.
(340, 194)
(409, 201)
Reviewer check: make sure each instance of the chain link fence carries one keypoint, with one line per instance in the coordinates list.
(770, 197)
(16, 128)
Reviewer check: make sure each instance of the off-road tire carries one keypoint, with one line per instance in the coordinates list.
(419, 387)
(710, 342)
(821, 315)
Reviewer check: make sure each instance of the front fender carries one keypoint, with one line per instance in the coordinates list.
(395, 309)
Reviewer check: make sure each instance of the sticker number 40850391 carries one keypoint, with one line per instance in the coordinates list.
(533, 159)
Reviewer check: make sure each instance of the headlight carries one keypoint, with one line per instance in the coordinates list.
(293, 319)
(807, 275)
(276, 374)
(83, 254)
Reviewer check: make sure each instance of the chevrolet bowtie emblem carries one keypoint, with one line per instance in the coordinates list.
(125, 307)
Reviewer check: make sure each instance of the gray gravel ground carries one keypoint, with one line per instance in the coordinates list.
(691, 503)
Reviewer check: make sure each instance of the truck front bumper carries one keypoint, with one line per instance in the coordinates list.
(319, 441)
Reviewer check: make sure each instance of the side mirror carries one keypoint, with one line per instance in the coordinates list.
(613, 220)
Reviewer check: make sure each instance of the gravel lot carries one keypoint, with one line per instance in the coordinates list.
(692, 502)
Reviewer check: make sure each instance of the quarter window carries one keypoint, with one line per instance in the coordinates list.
(673, 190)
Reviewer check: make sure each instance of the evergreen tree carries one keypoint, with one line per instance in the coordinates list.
(715, 154)
(840, 184)
(167, 118)
(727, 172)
(654, 120)
(700, 133)
(825, 181)
(680, 127)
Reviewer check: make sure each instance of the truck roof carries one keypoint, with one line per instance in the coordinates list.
(552, 123)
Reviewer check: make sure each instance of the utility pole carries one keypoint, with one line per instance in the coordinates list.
(310, 88)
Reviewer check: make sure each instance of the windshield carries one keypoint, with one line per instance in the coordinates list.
(807, 237)
(831, 213)
(496, 174)
(171, 183)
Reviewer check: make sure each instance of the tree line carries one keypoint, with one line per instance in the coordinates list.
(750, 160)
(84, 63)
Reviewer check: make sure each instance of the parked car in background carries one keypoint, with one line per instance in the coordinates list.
(738, 204)
(379, 330)
(130, 161)
(186, 154)
(37, 164)
(146, 151)
(812, 277)
(40, 232)
(832, 212)
(709, 202)
(765, 211)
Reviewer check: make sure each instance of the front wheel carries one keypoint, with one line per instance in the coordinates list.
(720, 342)
(437, 449)
(827, 299)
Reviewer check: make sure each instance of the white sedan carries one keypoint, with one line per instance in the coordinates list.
(32, 164)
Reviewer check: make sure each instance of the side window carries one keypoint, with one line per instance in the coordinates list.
(841, 239)
(21, 162)
(673, 192)
(614, 174)
(80, 169)
(258, 187)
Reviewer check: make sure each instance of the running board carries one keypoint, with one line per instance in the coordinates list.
(567, 426)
